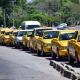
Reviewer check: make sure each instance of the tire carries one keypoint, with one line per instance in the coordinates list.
(71, 60)
(16, 46)
(21, 46)
(27, 49)
(38, 52)
(53, 55)
(58, 56)
(42, 54)
(77, 59)
(31, 50)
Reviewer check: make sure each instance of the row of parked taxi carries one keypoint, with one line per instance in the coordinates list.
(45, 41)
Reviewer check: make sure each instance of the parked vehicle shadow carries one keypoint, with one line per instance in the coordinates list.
(75, 65)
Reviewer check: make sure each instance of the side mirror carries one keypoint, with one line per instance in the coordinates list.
(73, 40)
(55, 39)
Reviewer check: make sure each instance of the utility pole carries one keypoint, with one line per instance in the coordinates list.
(13, 12)
(4, 18)
(13, 21)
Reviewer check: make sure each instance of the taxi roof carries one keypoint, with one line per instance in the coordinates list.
(61, 31)
(42, 28)
(29, 30)
(15, 30)
(6, 30)
(50, 30)
(66, 31)
(26, 30)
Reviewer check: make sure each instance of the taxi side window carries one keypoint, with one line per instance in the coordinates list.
(79, 38)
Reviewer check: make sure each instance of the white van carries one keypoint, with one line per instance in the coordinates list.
(30, 25)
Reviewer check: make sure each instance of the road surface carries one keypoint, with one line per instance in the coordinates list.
(16, 64)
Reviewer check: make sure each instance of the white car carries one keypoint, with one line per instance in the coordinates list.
(62, 26)
(18, 39)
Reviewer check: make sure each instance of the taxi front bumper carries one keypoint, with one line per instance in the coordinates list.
(63, 53)
(6, 41)
(47, 49)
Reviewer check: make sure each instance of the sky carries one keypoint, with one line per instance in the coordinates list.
(29, 0)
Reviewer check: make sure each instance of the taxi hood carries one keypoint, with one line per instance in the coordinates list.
(64, 43)
(47, 40)
(7, 36)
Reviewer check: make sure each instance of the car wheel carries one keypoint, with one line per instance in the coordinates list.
(71, 60)
(38, 52)
(16, 46)
(10, 45)
(58, 55)
(21, 47)
(31, 50)
(77, 59)
(53, 55)
(27, 48)
(42, 53)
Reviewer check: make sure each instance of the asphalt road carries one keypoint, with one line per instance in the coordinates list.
(16, 64)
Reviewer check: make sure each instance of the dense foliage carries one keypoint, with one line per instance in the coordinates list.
(48, 12)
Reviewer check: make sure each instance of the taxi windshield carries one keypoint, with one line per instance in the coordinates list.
(40, 32)
(67, 36)
(21, 33)
(51, 34)
(7, 33)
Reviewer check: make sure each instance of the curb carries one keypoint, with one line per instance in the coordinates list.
(65, 70)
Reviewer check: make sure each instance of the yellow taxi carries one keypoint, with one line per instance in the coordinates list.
(35, 35)
(26, 38)
(44, 42)
(3, 30)
(59, 45)
(12, 37)
(74, 49)
(6, 37)
(1, 33)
